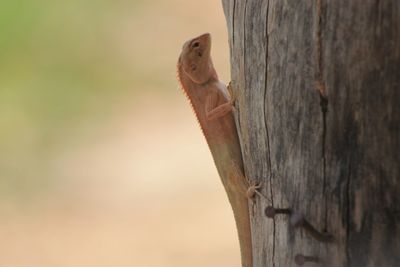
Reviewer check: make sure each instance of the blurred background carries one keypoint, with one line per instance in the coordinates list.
(102, 162)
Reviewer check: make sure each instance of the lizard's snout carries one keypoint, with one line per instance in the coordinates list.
(206, 37)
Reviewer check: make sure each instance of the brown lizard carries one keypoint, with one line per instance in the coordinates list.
(213, 107)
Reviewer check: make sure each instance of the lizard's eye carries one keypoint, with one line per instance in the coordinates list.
(196, 44)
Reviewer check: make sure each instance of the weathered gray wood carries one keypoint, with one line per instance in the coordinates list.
(318, 87)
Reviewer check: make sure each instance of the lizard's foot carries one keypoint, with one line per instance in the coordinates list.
(253, 190)
(232, 95)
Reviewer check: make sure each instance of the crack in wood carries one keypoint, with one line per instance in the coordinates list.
(267, 131)
(244, 54)
(320, 76)
(324, 110)
(239, 129)
(320, 84)
(233, 24)
(348, 203)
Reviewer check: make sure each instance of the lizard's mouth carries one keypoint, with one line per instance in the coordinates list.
(206, 37)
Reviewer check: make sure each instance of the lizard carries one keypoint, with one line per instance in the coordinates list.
(213, 105)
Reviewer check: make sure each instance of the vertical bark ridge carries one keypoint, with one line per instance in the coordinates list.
(321, 87)
(267, 132)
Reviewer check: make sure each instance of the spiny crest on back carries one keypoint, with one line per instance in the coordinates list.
(179, 78)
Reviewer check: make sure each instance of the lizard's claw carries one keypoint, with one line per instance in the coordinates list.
(232, 95)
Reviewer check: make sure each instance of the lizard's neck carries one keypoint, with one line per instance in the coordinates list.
(194, 91)
(213, 78)
(186, 82)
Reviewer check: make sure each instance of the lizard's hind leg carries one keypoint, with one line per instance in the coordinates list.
(252, 190)
(248, 187)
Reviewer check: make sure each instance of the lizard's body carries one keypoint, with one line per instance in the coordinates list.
(210, 100)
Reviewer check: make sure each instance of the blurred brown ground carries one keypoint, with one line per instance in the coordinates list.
(127, 180)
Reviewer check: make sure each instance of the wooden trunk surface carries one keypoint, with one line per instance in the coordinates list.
(318, 111)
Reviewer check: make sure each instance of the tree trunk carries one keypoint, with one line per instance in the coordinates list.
(318, 112)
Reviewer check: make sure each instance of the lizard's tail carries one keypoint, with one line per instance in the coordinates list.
(240, 208)
(235, 187)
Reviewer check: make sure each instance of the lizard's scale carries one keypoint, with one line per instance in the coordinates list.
(210, 102)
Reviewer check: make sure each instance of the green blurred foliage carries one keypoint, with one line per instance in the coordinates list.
(57, 60)
(54, 59)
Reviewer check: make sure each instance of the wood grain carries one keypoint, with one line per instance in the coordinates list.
(318, 113)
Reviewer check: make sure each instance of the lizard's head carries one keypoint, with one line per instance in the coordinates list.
(195, 59)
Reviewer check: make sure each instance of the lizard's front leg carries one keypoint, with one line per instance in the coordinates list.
(215, 111)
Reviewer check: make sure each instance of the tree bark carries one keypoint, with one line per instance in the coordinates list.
(318, 111)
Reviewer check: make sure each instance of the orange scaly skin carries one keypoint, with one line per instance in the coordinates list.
(210, 100)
